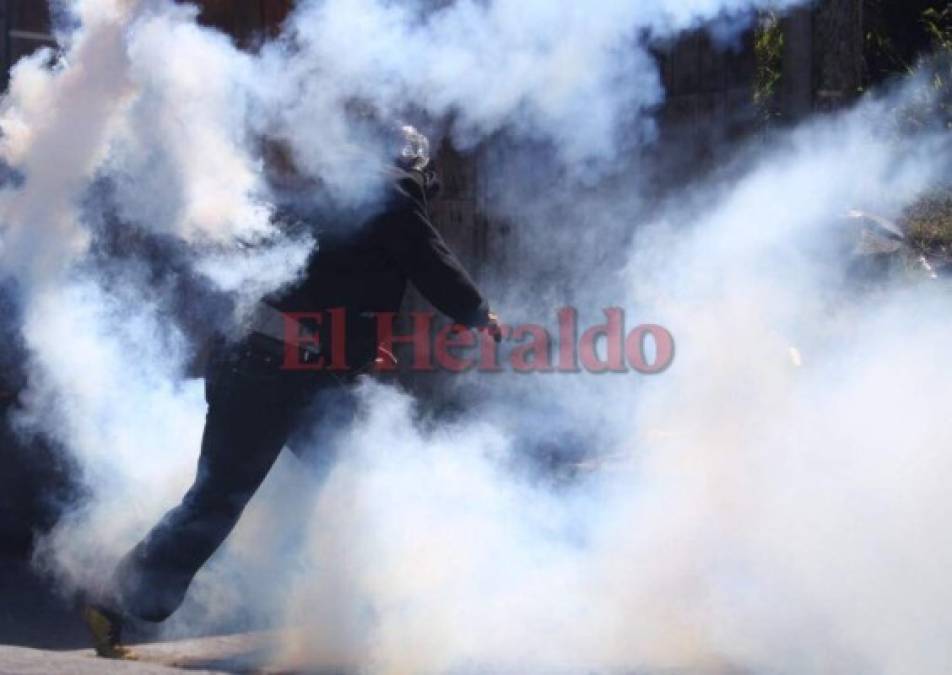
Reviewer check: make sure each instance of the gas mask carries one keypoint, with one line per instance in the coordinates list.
(415, 151)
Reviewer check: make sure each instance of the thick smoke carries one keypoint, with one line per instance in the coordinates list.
(559, 72)
(744, 510)
(752, 510)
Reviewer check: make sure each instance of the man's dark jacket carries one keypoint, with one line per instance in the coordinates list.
(364, 268)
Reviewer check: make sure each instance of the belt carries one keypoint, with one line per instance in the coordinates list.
(270, 323)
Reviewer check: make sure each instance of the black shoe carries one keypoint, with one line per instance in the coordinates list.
(106, 629)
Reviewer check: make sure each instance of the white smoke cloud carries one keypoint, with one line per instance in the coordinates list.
(169, 112)
(104, 385)
(559, 72)
(56, 122)
(181, 161)
(766, 518)
(143, 98)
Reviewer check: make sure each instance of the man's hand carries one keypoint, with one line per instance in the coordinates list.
(493, 328)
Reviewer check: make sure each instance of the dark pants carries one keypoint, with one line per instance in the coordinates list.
(255, 408)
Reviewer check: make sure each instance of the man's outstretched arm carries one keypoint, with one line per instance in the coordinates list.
(421, 252)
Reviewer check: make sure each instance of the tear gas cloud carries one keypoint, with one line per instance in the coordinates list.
(754, 515)
(751, 514)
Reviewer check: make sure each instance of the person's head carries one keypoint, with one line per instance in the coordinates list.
(415, 149)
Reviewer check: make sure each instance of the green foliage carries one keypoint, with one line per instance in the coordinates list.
(938, 24)
(912, 38)
(768, 49)
(929, 221)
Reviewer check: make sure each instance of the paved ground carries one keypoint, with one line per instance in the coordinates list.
(243, 654)
(23, 661)
(42, 634)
